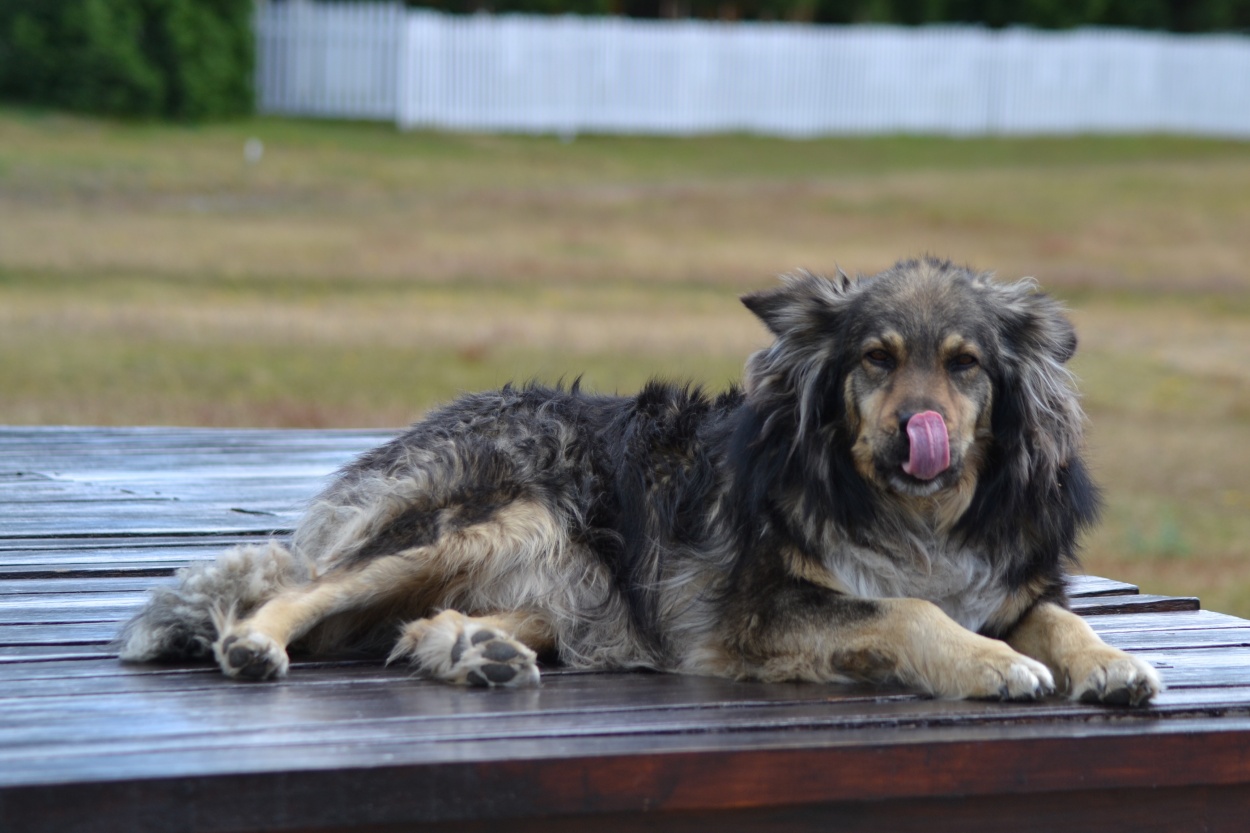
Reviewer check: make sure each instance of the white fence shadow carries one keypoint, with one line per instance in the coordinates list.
(568, 75)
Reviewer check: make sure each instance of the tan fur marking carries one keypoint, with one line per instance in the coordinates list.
(806, 569)
(890, 341)
(912, 642)
(939, 656)
(956, 344)
(1015, 606)
(531, 627)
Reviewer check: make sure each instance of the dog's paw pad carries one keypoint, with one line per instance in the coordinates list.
(251, 656)
(498, 651)
(492, 659)
(455, 648)
(492, 674)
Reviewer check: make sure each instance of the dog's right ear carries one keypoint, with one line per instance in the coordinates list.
(803, 302)
(769, 305)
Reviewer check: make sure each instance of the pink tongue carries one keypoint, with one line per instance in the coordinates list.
(930, 446)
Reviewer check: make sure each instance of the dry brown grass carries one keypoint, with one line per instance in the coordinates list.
(357, 276)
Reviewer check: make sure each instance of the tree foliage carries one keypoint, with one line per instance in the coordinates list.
(184, 59)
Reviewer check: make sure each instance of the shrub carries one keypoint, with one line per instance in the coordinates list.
(184, 59)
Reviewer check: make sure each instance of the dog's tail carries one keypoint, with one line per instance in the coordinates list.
(180, 621)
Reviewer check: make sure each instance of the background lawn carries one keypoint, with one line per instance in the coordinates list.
(356, 275)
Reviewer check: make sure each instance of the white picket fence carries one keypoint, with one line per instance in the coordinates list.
(568, 75)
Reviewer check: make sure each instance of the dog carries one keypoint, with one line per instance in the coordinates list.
(892, 495)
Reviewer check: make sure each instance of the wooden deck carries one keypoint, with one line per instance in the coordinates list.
(90, 518)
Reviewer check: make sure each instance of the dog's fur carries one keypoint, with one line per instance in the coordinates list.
(772, 532)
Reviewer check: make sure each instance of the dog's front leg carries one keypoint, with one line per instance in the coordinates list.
(829, 636)
(1085, 667)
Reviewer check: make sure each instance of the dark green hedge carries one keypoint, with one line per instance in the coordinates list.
(182, 59)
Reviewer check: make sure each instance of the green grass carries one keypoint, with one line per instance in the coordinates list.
(358, 276)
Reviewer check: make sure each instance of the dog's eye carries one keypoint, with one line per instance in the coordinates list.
(879, 357)
(964, 361)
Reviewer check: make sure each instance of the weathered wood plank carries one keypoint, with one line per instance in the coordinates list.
(55, 651)
(371, 695)
(1084, 585)
(1141, 603)
(70, 587)
(1175, 810)
(1173, 620)
(67, 634)
(126, 556)
(151, 518)
(1155, 640)
(676, 772)
(154, 481)
(291, 725)
(110, 608)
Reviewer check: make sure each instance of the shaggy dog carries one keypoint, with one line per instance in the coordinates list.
(892, 495)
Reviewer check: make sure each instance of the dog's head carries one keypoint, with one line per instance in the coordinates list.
(919, 378)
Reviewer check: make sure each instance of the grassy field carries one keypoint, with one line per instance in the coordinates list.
(355, 276)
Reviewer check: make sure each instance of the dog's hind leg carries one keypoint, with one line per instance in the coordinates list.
(255, 648)
(491, 564)
(495, 650)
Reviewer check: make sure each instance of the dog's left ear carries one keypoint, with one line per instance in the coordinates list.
(1038, 414)
(805, 301)
(1036, 325)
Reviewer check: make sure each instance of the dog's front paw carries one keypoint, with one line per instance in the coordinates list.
(459, 649)
(1114, 678)
(1014, 678)
(251, 656)
(992, 671)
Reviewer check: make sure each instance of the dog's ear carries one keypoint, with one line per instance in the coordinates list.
(769, 306)
(1035, 470)
(804, 301)
(1034, 324)
(1038, 391)
(792, 376)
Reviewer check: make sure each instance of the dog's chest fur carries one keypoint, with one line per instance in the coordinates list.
(962, 582)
